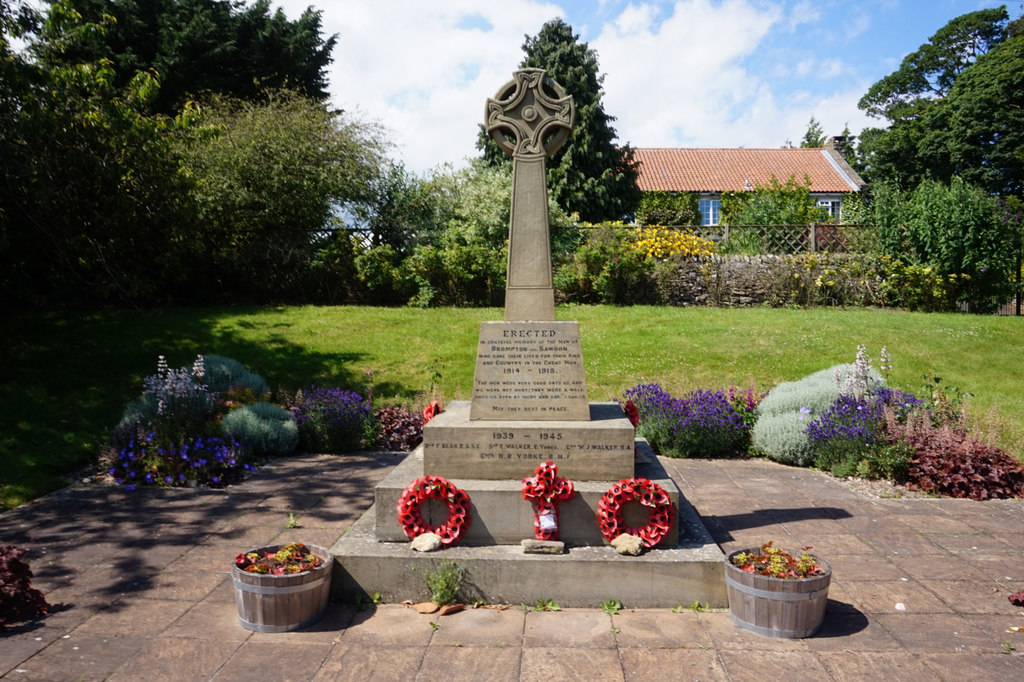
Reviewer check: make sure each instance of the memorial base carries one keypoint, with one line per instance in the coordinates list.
(500, 515)
(685, 568)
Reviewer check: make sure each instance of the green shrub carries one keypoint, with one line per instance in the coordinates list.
(222, 373)
(264, 430)
(891, 462)
(782, 437)
(608, 269)
(787, 410)
(822, 279)
(457, 273)
(384, 276)
(664, 208)
(957, 229)
(775, 203)
(917, 287)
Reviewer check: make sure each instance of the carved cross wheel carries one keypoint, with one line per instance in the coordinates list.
(530, 115)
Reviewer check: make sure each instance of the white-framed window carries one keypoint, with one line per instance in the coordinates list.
(832, 206)
(710, 211)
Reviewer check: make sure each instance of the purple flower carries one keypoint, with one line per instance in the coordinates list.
(852, 425)
(333, 419)
(700, 424)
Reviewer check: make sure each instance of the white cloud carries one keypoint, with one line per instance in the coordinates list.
(425, 69)
(856, 26)
(679, 84)
(720, 73)
(635, 20)
(804, 12)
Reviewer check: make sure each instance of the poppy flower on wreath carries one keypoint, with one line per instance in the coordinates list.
(431, 411)
(632, 414)
(545, 490)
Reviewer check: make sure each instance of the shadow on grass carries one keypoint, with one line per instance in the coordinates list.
(68, 377)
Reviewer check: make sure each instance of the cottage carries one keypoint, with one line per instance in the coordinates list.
(708, 173)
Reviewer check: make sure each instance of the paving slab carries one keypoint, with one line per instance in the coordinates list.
(153, 601)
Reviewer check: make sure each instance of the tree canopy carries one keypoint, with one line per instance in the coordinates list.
(105, 201)
(590, 175)
(198, 46)
(915, 100)
(986, 119)
(815, 135)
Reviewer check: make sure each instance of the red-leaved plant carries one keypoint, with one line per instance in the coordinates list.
(949, 462)
(19, 601)
(778, 563)
(399, 429)
(292, 558)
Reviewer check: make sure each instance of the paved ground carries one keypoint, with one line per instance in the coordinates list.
(141, 589)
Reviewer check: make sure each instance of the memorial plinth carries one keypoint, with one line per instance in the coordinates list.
(502, 517)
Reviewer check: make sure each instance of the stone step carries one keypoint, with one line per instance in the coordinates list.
(500, 515)
(503, 574)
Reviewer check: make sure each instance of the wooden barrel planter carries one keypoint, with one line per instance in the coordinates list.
(281, 603)
(776, 607)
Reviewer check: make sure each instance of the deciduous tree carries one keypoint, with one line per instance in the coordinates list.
(986, 119)
(913, 101)
(269, 176)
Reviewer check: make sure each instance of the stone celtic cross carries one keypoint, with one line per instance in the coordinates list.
(530, 118)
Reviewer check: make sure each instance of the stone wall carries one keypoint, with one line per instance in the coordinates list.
(723, 280)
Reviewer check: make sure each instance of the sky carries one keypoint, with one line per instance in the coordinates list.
(677, 73)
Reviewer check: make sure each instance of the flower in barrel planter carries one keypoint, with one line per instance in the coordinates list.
(292, 558)
(775, 594)
(282, 587)
(777, 563)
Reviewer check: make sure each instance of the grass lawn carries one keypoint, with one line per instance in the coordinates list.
(66, 377)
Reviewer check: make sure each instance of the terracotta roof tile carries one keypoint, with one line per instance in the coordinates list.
(723, 170)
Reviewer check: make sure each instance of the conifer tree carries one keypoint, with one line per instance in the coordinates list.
(590, 175)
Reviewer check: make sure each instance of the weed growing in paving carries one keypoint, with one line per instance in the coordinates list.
(543, 605)
(611, 607)
(444, 581)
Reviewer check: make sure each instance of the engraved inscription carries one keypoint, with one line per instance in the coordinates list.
(529, 371)
(528, 446)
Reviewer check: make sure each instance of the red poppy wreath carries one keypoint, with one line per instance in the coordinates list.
(647, 493)
(434, 488)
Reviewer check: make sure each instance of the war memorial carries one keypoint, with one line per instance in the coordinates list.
(533, 477)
